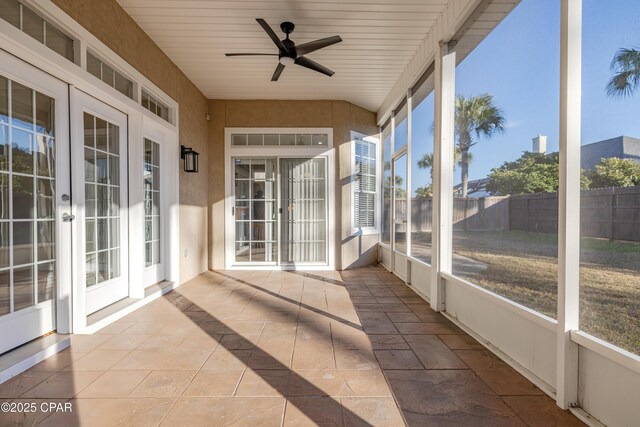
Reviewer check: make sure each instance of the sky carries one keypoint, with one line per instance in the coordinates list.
(519, 64)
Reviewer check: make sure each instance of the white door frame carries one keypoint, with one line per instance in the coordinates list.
(53, 314)
(80, 103)
(279, 152)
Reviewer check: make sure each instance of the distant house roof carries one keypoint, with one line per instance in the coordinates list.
(623, 147)
(476, 187)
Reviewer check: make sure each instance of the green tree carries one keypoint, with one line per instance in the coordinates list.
(389, 185)
(626, 66)
(531, 173)
(426, 162)
(615, 172)
(424, 192)
(474, 117)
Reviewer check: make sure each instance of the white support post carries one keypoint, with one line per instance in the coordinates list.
(569, 202)
(392, 185)
(408, 169)
(444, 140)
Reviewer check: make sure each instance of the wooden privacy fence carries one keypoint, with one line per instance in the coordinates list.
(470, 214)
(611, 213)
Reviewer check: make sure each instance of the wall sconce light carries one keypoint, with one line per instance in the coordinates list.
(190, 157)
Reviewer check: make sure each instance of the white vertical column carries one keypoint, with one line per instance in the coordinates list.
(569, 201)
(444, 140)
(408, 169)
(392, 184)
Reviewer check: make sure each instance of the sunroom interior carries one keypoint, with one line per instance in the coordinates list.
(422, 212)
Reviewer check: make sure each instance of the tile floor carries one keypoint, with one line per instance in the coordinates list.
(354, 348)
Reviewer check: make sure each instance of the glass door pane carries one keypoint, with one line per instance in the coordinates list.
(151, 185)
(102, 200)
(400, 204)
(27, 198)
(303, 204)
(255, 210)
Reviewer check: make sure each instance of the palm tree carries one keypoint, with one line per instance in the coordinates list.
(426, 162)
(626, 65)
(474, 116)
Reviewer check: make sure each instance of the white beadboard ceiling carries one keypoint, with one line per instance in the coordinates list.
(380, 37)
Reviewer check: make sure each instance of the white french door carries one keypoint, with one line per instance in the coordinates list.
(280, 211)
(35, 257)
(99, 156)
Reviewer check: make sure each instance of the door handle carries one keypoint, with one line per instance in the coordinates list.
(68, 218)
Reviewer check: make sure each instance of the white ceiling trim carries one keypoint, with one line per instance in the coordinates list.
(381, 38)
(445, 27)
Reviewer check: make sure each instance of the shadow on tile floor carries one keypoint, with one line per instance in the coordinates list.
(353, 348)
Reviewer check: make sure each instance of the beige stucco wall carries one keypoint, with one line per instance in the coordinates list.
(202, 194)
(115, 28)
(342, 116)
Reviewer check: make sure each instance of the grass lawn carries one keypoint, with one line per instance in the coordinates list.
(523, 267)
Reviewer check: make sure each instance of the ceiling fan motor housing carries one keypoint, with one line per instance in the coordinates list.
(287, 27)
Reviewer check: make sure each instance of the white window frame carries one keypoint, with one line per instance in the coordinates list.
(134, 88)
(375, 229)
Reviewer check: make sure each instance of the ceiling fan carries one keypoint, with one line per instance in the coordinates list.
(289, 53)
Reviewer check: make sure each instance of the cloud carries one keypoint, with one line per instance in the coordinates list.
(513, 124)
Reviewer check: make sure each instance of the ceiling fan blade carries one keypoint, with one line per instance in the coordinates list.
(313, 65)
(271, 34)
(309, 47)
(250, 54)
(277, 72)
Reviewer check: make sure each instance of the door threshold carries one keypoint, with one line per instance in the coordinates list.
(20, 359)
(119, 309)
(157, 287)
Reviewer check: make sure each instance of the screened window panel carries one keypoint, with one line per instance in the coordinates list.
(387, 185)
